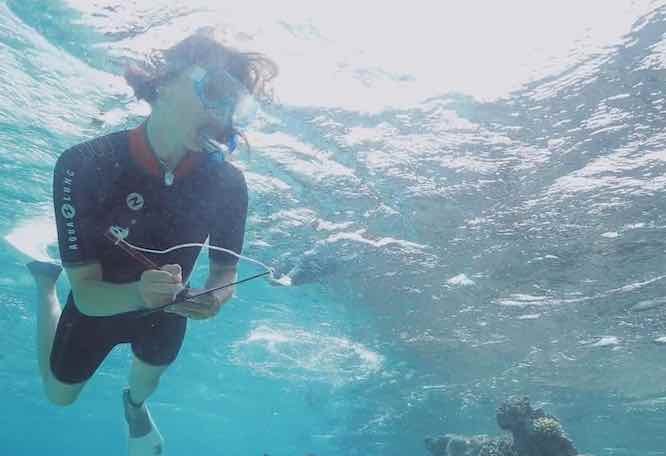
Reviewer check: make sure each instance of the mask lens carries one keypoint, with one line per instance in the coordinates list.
(226, 99)
(229, 98)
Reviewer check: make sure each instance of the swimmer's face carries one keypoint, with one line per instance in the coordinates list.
(201, 100)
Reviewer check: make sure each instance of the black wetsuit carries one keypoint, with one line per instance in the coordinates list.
(116, 181)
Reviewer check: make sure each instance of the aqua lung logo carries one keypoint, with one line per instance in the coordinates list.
(135, 201)
(68, 210)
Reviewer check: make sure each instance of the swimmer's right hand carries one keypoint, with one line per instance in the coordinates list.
(159, 287)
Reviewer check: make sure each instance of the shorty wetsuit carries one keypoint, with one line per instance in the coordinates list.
(116, 181)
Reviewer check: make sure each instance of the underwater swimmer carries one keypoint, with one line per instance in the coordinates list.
(156, 186)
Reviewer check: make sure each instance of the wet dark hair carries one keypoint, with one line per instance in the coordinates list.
(254, 70)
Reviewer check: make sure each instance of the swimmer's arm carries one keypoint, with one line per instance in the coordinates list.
(218, 275)
(97, 298)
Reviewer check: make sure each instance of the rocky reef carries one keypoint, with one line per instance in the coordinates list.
(533, 433)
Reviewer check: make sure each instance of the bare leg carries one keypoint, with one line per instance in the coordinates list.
(144, 437)
(143, 380)
(48, 314)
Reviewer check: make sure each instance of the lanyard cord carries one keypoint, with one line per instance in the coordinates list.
(183, 295)
(193, 244)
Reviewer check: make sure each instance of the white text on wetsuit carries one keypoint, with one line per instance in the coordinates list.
(68, 211)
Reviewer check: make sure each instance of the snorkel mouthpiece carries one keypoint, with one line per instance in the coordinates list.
(212, 144)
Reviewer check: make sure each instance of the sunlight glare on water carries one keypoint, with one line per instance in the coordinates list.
(371, 55)
(299, 355)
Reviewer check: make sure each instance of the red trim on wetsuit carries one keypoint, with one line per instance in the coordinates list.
(143, 155)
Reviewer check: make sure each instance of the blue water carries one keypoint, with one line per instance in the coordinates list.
(468, 200)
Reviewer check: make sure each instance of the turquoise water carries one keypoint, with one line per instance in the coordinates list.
(467, 199)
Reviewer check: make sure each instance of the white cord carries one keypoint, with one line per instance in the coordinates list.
(196, 244)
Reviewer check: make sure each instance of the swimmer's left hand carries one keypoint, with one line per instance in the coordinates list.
(201, 307)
